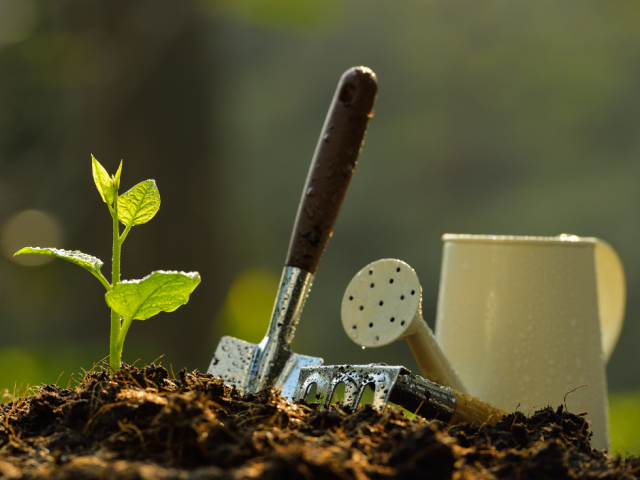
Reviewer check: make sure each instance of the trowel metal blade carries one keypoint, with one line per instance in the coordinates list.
(233, 361)
(236, 362)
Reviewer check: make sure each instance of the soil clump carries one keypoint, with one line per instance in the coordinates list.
(142, 424)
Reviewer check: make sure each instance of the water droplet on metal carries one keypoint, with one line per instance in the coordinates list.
(310, 213)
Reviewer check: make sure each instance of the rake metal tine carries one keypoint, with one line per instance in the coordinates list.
(351, 397)
(335, 380)
(300, 391)
(361, 389)
(307, 378)
(322, 390)
(350, 388)
(380, 396)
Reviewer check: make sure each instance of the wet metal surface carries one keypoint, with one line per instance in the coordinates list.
(355, 377)
(253, 367)
(271, 363)
(395, 384)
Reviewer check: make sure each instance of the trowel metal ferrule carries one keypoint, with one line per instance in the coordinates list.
(251, 367)
(276, 361)
(393, 384)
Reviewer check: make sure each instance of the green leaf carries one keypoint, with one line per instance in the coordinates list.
(116, 178)
(104, 183)
(155, 293)
(87, 262)
(140, 204)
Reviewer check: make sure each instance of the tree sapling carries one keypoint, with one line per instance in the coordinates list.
(129, 299)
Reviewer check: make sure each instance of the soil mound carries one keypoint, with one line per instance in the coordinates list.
(142, 424)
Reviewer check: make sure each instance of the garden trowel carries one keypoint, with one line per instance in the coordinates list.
(271, 363)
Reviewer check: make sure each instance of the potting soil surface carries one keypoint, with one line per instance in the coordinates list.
(145, 424)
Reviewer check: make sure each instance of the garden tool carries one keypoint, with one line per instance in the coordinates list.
(382, 304)
(252, 367)
(396, 385)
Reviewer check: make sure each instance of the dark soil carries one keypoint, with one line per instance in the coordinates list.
(142, 424)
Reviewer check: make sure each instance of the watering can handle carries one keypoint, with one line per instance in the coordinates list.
(332, 167)
(612, 294)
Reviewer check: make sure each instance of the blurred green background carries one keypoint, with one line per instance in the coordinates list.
(493, 117)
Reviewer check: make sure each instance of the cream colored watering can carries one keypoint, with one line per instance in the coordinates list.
(523, 320)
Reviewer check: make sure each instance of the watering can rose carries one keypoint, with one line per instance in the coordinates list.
(131, 299)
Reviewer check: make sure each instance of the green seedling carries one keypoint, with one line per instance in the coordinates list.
(130, 299)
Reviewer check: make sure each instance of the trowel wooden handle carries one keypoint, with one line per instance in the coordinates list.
(473, 410)
(333, 165)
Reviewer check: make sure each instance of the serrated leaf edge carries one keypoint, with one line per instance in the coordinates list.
(97, 263)
(191, 275)
(141, 206)
(91, 264)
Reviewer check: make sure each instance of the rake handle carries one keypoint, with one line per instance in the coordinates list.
(473, 410)
(430, 400)
(333, 165)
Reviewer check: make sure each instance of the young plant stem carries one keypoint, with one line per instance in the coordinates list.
(114, 353)
(121, 336)
(115, 347)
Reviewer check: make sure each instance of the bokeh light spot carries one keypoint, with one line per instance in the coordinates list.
(17, 370)
(249, 304)
(18, 19)
(624, 422)
(30, 228)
